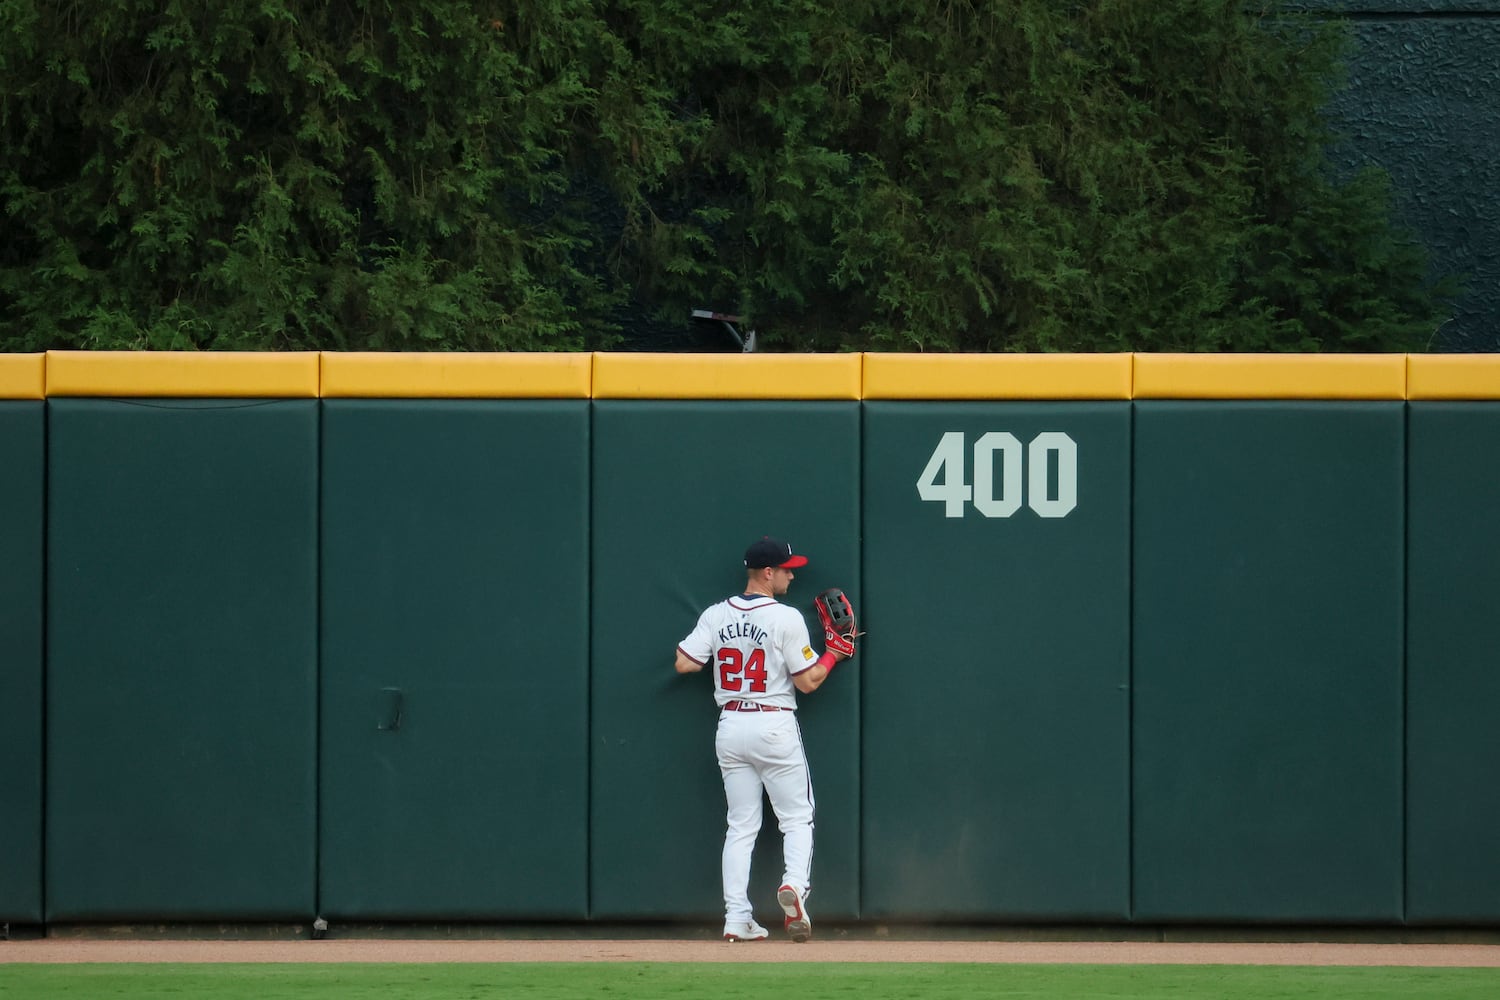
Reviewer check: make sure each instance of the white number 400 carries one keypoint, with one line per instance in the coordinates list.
(943, 480)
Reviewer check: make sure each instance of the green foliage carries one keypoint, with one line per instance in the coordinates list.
(1010, 175)
(1034, 176)
(283, 174)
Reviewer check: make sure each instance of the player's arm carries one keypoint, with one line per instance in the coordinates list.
(808, 670)
(812, 678)
(686, 664)
(694, 652)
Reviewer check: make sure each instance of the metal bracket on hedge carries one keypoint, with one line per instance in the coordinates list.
(745, 339)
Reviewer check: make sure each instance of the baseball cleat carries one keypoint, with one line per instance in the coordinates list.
(745, 930)
(798, 921)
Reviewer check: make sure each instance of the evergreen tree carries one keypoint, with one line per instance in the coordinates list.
(994, 175)
(290, 174)
(1038, 175)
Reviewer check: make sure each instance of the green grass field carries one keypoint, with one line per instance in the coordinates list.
(654, 981)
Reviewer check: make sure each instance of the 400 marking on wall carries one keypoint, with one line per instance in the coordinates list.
(1002, 480)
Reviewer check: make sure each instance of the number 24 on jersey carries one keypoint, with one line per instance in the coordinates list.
(736, 670)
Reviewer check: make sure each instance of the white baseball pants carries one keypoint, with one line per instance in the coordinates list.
(763, 751)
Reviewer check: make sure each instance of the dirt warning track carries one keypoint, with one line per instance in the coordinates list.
(1132, 952)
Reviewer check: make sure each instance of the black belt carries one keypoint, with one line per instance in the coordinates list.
(752, 706)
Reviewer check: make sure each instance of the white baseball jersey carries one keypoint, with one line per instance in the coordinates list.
(753, 645)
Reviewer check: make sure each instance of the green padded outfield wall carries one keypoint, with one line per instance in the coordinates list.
(996, 668)
(1453, 684)
(455, 659)
(1233, 665)
(181, 659)
(1268, 661)
(21, 524)
(681, 487)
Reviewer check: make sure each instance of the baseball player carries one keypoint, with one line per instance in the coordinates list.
(760, 655)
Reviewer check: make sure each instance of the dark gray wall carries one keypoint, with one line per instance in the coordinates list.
(1419, 103)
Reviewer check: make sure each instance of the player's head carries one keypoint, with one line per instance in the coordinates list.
(773, 560)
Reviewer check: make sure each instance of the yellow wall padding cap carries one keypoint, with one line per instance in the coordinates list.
(727, 376)
(1270, 376)
(269, 375)
(997, 376)
(23, 376)
(1453, 376)
(458, 376)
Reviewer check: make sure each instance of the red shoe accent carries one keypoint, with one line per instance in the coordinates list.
(798, 924)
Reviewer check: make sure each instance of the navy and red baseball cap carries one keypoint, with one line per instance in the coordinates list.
(770, 551)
